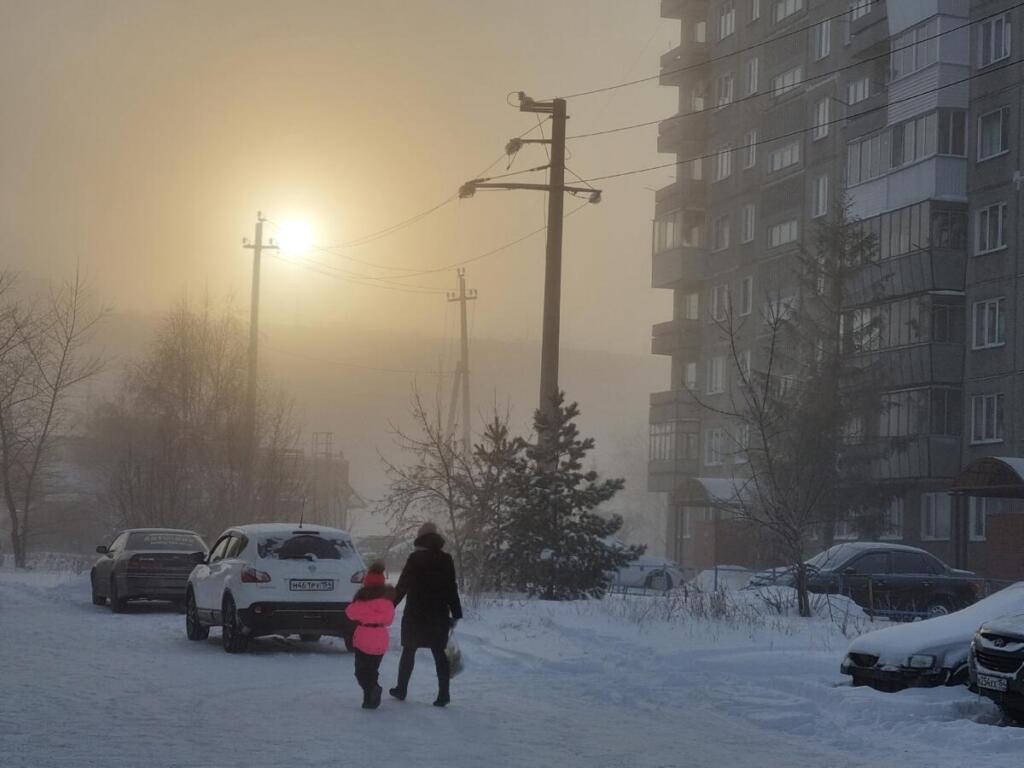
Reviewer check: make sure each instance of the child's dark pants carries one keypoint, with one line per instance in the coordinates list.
(367, 667)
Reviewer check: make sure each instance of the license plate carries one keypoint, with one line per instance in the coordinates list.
(311, 585)
(992, 683)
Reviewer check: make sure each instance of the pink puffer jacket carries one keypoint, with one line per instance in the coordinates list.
(379, 613)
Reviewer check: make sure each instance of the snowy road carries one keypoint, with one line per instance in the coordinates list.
(565, 685)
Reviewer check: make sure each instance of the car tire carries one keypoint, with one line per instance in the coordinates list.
(1013, 714)
(97, 598)
(659, 581)
(233, 635)
(310, 638)
(194, 628)
(118, 604)
(938, 607)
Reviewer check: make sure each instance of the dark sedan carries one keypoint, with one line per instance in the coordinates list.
(891, 580)
(145, 563)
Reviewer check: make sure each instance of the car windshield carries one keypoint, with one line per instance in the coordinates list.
(166, 541)
(305, 545)
(830, 558)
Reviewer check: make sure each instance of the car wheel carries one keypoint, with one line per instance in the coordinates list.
(1013, 714)
(310, 638)
(117, 603)
(938, 608)
(194, 628)
(659, 581)
(232, 634)
(97, 598)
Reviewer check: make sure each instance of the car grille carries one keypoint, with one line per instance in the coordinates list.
(998, 662)
(863, 659)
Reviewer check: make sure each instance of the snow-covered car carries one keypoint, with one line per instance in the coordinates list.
(929, 652)
(274, 579)
(648, 572)
(144, 563)
(997, 663)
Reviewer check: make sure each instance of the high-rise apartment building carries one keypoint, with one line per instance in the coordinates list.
(786, 107)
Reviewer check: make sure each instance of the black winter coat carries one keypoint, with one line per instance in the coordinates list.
(432, 594)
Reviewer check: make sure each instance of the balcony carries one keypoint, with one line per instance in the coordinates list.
(685, 193)
(673, 405)
(935, 269)
(684, 134)
(931, 363)
(673, 9)
(681, 62)
(676, 266)
(917, 457)
(664, 476)
(675, 335)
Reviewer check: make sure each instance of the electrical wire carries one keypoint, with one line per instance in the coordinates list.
(713, 59)
(819, 76)
(987, 71)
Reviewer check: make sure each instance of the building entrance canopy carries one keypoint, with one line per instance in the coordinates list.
(992, 477)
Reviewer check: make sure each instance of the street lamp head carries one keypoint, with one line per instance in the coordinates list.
(468, 189)
(513, 147)
(595, 196)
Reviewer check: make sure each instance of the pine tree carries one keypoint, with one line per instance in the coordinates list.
(556, 545)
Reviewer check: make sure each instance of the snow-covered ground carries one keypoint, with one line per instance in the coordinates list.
(629, 682)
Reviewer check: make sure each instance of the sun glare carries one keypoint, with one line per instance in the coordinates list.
(295, 237)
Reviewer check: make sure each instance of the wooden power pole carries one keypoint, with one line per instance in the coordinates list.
(461, 381)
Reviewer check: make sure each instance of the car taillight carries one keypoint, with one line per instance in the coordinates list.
(251, 576)
(357, 577)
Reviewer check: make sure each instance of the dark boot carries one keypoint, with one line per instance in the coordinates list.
(373, 699)
(398, 693)
(443, 678)
(405, 667)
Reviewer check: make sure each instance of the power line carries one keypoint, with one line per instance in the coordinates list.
(819, 76)
(799, 131)
(713, 59)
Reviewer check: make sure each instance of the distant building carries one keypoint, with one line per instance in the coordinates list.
(793, 103)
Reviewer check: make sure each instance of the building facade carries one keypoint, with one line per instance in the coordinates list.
(786, 107)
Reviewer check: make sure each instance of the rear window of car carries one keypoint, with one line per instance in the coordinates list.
(166, 541)
(304, 545)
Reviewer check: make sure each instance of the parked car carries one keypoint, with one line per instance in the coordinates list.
(274, 579)
(886, 579)
(926, 653)
(149, 563)
(648, 572)
(997, 661)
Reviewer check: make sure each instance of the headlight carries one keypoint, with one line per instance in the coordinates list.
(921, 661)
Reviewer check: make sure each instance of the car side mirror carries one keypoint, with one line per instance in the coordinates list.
(101, 550)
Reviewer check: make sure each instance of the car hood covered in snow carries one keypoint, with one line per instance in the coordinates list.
(1007, 625)
(945, 637)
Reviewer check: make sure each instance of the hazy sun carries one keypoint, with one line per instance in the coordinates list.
(294, 236)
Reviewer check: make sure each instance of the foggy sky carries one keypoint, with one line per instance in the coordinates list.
(139, 138)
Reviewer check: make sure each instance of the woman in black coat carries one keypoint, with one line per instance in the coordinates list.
(432, 607)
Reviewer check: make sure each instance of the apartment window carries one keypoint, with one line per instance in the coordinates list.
(747, 216)
(787, 81)
(780, 309)
(947, 323)
(989, 323)
(742, 440)
(821, 119)
(857, 90)
(723, 90)
(782, 233)
(990, 228)
(689, 306)
(993, 40)
(845, 529)
(993, 133)
(726, 20)
(892, 519)
(716, 376)
(723, 164)
(693, 170)
(783, 157)
(953, 132)
(662, 442)
(914, 49)
(751, 74)
(913, 140)
(743, 363)
(923, 411)
(713, 447)
(720, 233)
(976, 518)
(750, 149)
(935, 517)
(755, 10)
(947, 411)
(987, 418)
(914, 227)
(719, 302)
(700, 32)
(821, 40)
(860, 8)
(746, 295)
(666, 232)
(785, 8)
(697, 97)
(819, 196)
(690, 375)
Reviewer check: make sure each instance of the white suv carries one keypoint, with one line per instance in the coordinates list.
(274, 579)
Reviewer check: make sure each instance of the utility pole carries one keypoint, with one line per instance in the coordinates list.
(556, 189)
(257, 247)
(462, 372)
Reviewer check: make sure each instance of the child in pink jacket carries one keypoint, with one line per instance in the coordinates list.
(373, 610)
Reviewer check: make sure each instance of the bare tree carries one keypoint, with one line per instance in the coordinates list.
(43, 358)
